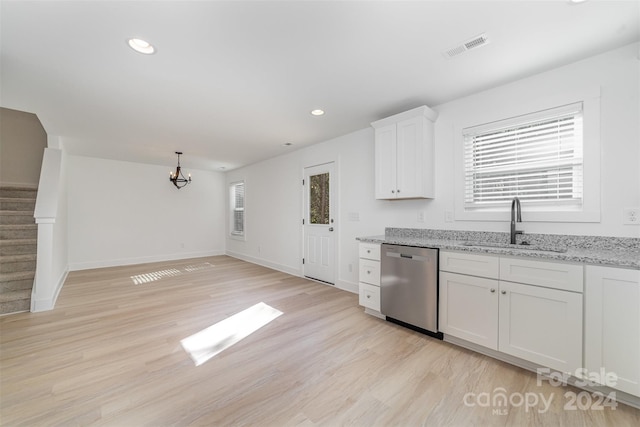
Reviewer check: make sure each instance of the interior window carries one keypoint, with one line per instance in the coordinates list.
(237, 208)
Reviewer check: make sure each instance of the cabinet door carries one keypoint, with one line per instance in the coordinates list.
(541, 325)
(612, 325)
(410, 158)
(469, 308)
(385, 162)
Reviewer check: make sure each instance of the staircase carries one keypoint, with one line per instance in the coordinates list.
(18, 238)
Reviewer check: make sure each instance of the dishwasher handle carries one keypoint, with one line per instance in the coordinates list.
(408, 257)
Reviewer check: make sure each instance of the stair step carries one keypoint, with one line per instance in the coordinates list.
(16, 217)
(18, 247)
(18, 192)
(16, 281)
(15, 295)
(17, 204)
(13, 307)
(18, 231)
(14, 263)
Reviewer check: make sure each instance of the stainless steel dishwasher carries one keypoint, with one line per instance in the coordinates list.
(409, 287)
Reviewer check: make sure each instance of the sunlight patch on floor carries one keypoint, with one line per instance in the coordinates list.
(197, 267)
(207, 343)
(155, 275)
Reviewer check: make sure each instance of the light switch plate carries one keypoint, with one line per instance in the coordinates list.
(631, 216)
(448, 216)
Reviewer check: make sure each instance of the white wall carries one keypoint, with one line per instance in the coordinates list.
(123, 213)
(274, 191)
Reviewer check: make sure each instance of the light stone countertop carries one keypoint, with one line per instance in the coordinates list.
(605, 251)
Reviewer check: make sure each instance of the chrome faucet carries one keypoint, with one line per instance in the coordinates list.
(516, 215)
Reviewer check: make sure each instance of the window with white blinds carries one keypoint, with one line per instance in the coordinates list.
(537, 157)
(237, 208)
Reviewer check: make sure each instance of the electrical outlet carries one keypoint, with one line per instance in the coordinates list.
(448, 216)
(354, 216)
(631, 216)
(420, 216)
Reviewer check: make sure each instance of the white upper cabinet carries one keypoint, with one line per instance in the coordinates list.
(404, 155)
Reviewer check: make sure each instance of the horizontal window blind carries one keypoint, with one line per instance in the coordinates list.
(537, 157)
(238, 208)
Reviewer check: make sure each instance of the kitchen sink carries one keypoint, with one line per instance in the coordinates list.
(523, 246)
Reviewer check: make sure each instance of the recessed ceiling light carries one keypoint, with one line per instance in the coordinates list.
(577, 1)
(141, 46)
(317, 112)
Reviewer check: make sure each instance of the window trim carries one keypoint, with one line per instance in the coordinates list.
(590, 209)
(232, 210)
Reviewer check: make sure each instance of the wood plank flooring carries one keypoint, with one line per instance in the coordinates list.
(109, 354)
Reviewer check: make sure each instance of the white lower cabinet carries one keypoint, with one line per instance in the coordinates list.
(612, 326)
(534, 323)
(369, 277)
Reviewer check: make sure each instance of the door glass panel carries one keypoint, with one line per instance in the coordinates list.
(319, 199)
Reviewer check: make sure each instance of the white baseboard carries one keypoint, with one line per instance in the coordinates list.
(77, 266)
(347, 286)
(340, 284)
(265, 263)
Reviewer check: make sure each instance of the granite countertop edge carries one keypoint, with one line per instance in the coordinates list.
(601, 257)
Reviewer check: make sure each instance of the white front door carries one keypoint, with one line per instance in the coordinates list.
(319, 224)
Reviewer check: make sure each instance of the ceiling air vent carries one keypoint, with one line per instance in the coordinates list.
(473, 43)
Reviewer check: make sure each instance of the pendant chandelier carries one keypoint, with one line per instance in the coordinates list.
(177, 177)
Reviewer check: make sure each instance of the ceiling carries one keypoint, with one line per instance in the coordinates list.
(233, 81)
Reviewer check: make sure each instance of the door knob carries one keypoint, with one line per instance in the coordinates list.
(330, 228)
(503, 292)
(492, 290)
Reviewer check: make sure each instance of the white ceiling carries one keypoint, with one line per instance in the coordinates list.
(233, 81)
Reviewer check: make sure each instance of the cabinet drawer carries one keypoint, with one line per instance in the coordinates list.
(370, 251)
(369, 296)
(370, 272)
(471, 264)
(555, 275)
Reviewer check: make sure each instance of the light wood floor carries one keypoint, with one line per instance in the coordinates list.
(110, 354)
